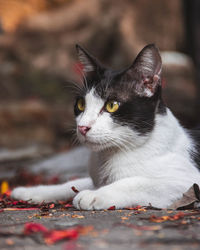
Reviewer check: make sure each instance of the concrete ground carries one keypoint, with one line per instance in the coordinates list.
(110, 229)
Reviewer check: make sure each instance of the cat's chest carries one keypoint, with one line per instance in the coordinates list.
(120, 165)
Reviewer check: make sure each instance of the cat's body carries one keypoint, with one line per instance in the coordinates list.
(143, 155)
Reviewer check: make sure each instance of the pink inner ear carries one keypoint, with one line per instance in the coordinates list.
(156, 78)
(78, 68)
(151, 83)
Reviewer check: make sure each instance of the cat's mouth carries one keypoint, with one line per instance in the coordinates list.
(93, 143)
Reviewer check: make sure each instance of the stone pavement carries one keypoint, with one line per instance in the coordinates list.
(109, 229)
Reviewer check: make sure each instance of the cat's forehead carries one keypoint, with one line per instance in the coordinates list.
(114, 87)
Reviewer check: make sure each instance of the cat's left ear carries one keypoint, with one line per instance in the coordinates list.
(146, 69)
(88, 62)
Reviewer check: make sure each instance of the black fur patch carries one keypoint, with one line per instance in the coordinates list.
(195, 155)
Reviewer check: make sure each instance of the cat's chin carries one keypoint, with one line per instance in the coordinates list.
(97, 147)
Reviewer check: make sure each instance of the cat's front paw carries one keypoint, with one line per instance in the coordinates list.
(27, 194)
(93, 200)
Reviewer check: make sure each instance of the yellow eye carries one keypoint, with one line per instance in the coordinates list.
(81, 104)
(112, 106)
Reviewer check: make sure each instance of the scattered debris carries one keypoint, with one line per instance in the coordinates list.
(8, 204)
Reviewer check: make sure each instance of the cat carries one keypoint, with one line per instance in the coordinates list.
(141, 154)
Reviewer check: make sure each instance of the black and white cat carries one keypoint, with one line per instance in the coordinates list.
(142, 155)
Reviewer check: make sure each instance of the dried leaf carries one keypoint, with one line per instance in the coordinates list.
(50, 236)
(74, 189)
(10, 242)
(134, 208)
(189, 199)
(52, 205)
(78, 216)
(124, 218)
(143, 228)
(20, 208)
(111, 208)
(174, 217)
(85, 230)
(57, 235)
(30, 228)
(68, 205)
(7, 203)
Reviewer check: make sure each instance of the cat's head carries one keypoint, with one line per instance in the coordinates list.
(117, 109)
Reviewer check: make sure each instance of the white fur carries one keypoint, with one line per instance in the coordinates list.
(127, 169)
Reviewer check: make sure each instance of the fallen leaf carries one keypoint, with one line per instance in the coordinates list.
(56, 235)
(51, 236)
(78, 216)
(68, 205)
(184, 222)
(142, 228)
(30, 228)
(111, 208)
(174, 217)
(133, 208)
(85, 230)
(8, 204)
(52, 205)
(124, 218)
(74, 189)
(9, 242)
(189, 199)
(22, 208)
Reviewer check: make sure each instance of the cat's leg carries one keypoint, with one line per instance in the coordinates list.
(130, 192)
(51, 193)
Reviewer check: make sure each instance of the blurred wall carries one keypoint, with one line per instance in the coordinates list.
(38, 58)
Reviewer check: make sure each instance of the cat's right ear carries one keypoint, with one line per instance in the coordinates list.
(88, 62)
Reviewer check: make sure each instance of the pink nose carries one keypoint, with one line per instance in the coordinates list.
(83, 129)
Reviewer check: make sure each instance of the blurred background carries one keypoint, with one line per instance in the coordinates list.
(38, 59)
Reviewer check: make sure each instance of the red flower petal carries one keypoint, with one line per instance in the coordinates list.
(68, 205)
(34, 228)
